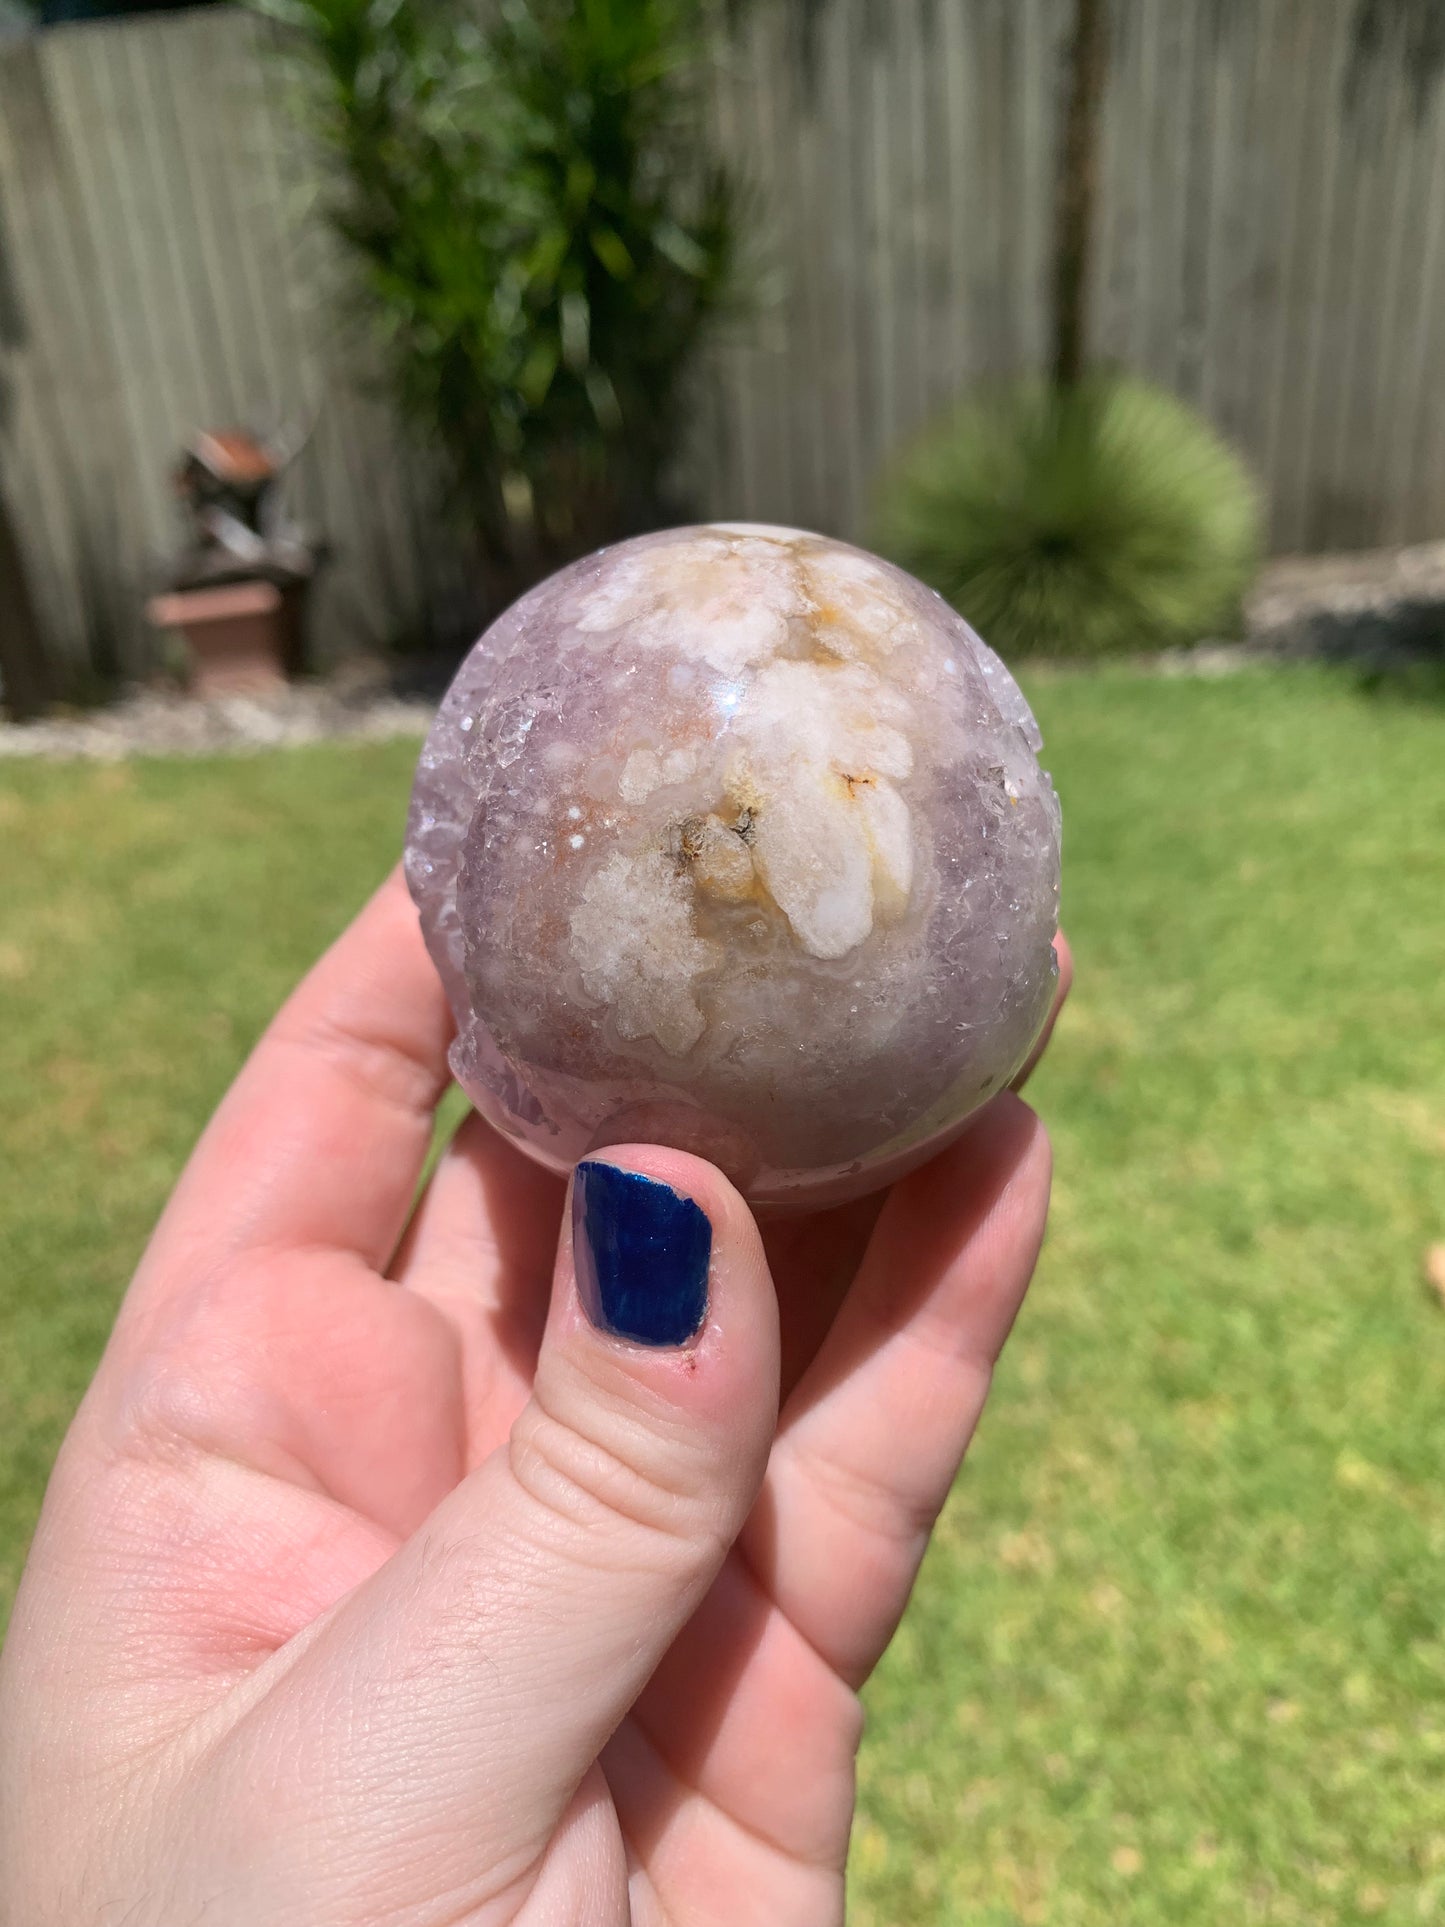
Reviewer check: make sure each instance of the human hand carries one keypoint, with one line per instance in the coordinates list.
(369, 1590)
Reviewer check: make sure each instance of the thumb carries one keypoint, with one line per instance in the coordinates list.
(448, 1710)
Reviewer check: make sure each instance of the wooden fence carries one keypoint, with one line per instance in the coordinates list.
(1270, 246)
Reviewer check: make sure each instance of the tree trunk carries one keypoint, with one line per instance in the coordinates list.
(23, 666)
(1078, 188)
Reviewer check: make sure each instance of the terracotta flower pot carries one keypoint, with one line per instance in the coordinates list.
(240, 636)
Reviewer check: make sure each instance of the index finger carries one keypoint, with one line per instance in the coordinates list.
(320, 1141)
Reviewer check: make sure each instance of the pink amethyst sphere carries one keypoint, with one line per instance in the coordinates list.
(734, 838)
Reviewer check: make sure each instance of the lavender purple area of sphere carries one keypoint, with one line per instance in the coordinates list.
(735, 838)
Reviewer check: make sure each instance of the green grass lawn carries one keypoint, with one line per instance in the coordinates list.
(1178, 1654)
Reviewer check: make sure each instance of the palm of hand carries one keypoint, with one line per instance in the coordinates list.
(286, 1402)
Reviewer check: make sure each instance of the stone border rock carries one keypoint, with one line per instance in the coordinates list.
(1380, 608)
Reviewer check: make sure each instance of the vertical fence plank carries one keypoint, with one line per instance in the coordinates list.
(1407, 428)
(38, 310)
(211, 131)
(919, 29)
(1013, 262)
(149, 369)
(1352, 514)
(856, 18)
(769, 376)
(1151, 289)
(989, 216)
(959, 198)
(1043, 47)
(1325, 519)
(1243, 208)
(1426, 472)
(713, 460)
(1112, 303)
(845, 505)
(1391, 406)
(1301, 46)
(941, 381)
(1204, 104)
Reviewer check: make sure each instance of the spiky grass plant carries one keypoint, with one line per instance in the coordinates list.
(1096, 520)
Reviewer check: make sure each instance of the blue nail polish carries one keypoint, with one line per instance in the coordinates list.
(640, 1251)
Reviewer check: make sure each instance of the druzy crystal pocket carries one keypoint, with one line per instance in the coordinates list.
(734, 838)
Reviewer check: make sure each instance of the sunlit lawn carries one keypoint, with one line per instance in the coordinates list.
(1179, 1652)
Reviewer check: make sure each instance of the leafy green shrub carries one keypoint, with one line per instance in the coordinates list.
(1088, 521)
(540, 241)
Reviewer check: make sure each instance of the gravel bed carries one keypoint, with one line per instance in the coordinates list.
(1382, 609)
(152, 723)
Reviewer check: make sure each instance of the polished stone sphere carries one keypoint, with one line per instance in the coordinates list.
(734, 838)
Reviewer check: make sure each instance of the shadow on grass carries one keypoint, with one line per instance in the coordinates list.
(1396, 653)
(1419, 681)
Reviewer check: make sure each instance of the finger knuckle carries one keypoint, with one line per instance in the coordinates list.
(893, 1513)
(614, 1494)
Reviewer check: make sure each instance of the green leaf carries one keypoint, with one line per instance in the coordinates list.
(610, 250)
(681, 249)
(537, 372)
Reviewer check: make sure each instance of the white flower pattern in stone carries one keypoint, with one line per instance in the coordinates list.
(819, 749)
(728, 593)
(633, 935)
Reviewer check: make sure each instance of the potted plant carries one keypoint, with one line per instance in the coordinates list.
(238, 591)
